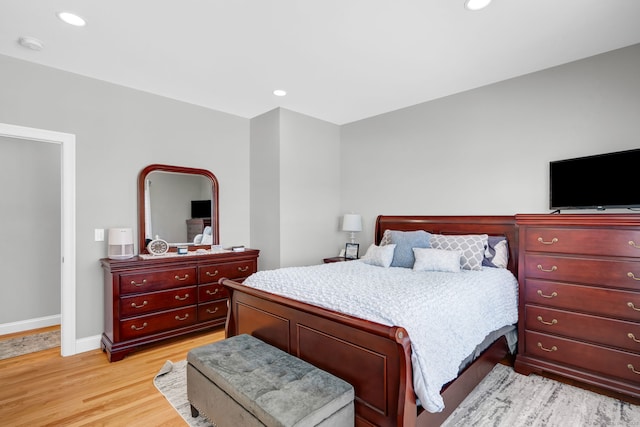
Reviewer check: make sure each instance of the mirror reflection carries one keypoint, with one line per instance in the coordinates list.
(178, 205)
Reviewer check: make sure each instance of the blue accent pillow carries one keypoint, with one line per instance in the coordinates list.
(405, 241)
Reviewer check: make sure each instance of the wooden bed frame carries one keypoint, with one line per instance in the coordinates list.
(374, 358)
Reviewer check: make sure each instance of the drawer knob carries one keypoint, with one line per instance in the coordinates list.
(134, 283)
(541, 347)
(632, 243)
(632, 276)
(186, 316)
(551, 270)
(633, 337)
(243, 269)
(632, 306)
(182, 279)
(144, 325)
(553, 321)
(554, 240)
(630, 366)
(212, 311)
(215, 291)
(553, 294)
(182, 298)
(145, 302)
(210, 274)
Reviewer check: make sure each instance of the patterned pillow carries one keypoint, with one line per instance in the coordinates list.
(471, 245)
(429, 259)
(496, 254)
(405, 241)
(379, 255)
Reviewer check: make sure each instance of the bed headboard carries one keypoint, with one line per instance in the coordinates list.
(491, 225)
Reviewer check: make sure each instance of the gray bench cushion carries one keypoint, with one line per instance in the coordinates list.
(277, 388)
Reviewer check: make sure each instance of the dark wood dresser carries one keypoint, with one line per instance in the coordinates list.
(149, 300)
(579, 299)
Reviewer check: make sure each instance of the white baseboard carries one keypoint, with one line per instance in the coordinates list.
(27, 325)
(88, 343)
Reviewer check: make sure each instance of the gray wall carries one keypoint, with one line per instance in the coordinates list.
(487, 151)
(118, 132)
(29, 229)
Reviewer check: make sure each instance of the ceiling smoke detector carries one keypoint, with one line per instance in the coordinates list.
(476, 4)
(30, 43)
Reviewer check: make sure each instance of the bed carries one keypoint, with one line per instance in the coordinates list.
(376, 358)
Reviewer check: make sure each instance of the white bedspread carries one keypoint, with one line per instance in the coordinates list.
(446, 314)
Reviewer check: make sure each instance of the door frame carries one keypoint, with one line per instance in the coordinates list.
(67, 142)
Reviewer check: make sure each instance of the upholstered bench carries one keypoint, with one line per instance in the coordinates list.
(242, 381)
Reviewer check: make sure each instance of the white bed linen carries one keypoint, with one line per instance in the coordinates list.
(446, 314)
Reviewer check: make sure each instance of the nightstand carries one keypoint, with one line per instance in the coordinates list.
(336, 259)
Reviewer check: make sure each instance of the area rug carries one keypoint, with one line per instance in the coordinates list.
(13, 347)
(503, 399)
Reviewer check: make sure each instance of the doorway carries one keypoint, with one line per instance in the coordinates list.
(67, 225)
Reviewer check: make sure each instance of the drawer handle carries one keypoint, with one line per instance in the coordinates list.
(212, 311)
(243, 269)
(632, 243)
(632, 306)
(633, 276)
(541, 347)
(554, 240)
(553, 321)
(633, 337)
(212, 293)
(210, 274)
(551, 270)
(144, 282)
(630, 366)
(145, 302)
(553, 294)
(182, 279)
(183, 298)
(144, 325)
(186, 316)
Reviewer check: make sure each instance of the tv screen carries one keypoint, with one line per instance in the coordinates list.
(596, 182)
(201, 209)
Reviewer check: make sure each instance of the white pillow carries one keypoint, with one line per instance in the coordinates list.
(379, 255)
(429, 259)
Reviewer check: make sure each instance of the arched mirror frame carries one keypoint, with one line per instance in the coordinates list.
(183, 170)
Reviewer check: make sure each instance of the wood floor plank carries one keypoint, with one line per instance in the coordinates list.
(46, 389)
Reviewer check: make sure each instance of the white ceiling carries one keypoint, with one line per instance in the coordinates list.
(339, 60)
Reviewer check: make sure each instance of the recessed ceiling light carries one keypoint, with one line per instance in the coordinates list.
(30, 43)
(280, 92)
(72, 19)
(476, 4)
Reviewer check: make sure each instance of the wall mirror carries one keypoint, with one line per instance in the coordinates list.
(179, 205)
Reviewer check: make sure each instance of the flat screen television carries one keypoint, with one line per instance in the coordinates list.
(201, 209)
(596, 182)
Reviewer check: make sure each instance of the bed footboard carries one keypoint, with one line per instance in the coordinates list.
(374, 358)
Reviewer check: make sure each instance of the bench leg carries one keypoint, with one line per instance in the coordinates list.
(194, 411)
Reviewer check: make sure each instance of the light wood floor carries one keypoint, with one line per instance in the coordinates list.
(46, 389)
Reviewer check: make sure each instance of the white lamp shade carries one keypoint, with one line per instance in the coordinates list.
(352, 222)
(120, 236)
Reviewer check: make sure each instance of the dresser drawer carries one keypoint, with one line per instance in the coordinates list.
(136, 305)
(592, 357)
(157, 280)
(231, 270)
(157, 322)
(596, 241)
(212, 310)
(601, 272)
(585, 299)
(211, 292)
(600, 330)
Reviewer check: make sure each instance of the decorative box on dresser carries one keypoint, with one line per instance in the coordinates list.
(579, 308)
(149, 300)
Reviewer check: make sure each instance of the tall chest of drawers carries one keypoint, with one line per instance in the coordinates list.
(579, 301)
(149, 300)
